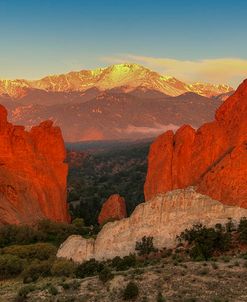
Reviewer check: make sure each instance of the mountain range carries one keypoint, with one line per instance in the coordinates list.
(123, 101)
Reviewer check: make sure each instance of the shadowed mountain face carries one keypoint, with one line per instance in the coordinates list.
(125, 101)
(119, 116)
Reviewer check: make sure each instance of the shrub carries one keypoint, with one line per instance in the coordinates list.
(166, 252)
(37, 269)
(23, 292)
(131, 291)
(105, 275)
(43, 231)
(71, 285)
(19, 234)
(145, 246)
(89, 268)
(205, 241)
(56, 232)
(78, 222)
(122, 264)
(63, 267)
(115, 261)
(230, 225)
(10, 266)
(242, 230)
(41, 251)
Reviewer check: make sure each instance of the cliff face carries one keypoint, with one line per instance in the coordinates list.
(114, 208)
(163, 217)
(213, 158)
(32, 173)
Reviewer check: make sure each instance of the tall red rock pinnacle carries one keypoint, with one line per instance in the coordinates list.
(213, 158)
(32, 173)
(113, 208)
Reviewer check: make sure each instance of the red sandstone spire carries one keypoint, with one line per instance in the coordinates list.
(33, 175)
(214, 158)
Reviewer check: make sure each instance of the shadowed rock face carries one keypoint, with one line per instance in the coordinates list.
(114, 208)
(32, 173)
(163, 217)
(213, 158)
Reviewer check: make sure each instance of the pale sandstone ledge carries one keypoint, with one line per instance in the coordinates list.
(163, 217)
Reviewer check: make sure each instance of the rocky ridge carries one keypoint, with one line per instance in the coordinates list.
(164, 217)
(33, 175)
(127, 76)
(114, 208)
(212, 158)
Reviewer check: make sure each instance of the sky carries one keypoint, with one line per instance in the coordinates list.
(193, 40)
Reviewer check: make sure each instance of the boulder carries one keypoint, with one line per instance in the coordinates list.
(164, 217)
(114, 208)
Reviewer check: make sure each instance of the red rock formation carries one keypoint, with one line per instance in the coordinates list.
(32, 173)
(114, 208)
(214, 158)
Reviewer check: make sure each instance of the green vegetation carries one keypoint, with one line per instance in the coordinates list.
(23, 292)
(95, 175)
(242, 230)
(145, 246)
(32, 262)
(89, 268)
(53, 290)
(105, 275)
(131, 291)
(43, 231)
(41, 251)
(122, 264)
(205, 241)
(63, 267)
(37, 269)
(29, 251)
(10, 266)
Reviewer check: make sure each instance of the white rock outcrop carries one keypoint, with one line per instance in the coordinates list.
(163, 217)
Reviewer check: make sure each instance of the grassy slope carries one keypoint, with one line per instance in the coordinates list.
(186, 281)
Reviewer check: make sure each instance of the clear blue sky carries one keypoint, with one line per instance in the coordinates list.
(40, 37)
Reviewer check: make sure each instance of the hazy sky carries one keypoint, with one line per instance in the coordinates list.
(190, 39)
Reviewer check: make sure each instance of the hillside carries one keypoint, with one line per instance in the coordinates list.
(32, 274)
(112, 115)
(97, 170)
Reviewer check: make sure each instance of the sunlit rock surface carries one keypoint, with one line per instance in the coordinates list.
(33, 175)
(213, 158)
(163, 217)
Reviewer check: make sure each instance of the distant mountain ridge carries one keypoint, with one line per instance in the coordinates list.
(127, 76)
(124, 101)
(118, 115)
